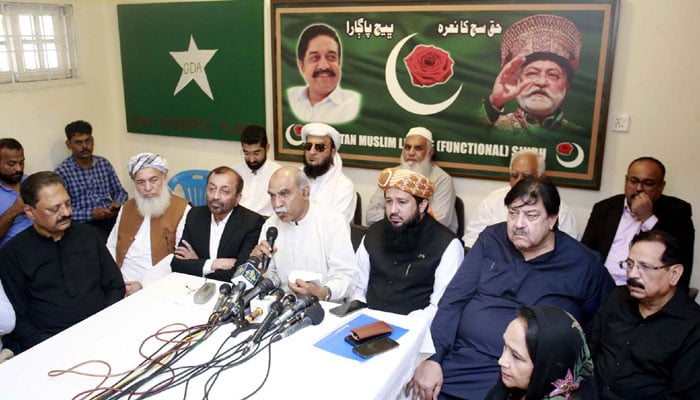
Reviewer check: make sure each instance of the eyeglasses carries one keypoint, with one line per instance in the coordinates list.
(647, 184)
(320, 147)
(256, 153)
(519, 174)
(629, 265)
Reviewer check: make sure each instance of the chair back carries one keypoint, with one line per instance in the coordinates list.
(459, 211)
(193, 183)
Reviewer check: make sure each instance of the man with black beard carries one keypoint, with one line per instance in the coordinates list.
(324, 168)
(417, 156)
(148, 226)
(12, 217)
(406, 259)
(256, 170)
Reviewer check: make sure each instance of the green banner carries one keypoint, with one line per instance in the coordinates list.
(434, 65)
(193, 69)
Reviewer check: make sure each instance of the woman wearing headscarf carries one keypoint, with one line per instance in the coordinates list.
(545, 357)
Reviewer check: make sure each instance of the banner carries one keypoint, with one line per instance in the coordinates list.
(193, 69)
(486, 79)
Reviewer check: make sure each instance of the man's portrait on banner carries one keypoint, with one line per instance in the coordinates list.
(319, 56)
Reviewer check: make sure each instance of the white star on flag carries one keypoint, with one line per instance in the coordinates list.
(193, 62)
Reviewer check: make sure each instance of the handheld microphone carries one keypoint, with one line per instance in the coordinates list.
(265, 285)
(255, 338)
(271, 236)
(224, 292)
(260, 307)
(230, 306)
(301, 303)
(247, 273)
(313, 315)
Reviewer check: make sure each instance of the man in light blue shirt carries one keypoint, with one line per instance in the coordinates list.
(12, 217)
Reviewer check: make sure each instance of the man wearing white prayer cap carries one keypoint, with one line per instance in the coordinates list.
(324, 168)
(148, 226)
(417, 156)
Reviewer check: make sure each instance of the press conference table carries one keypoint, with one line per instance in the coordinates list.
(298, 368)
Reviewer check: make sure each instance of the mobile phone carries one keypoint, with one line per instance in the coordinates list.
(356, 342)
(346, 308)
(374, 347)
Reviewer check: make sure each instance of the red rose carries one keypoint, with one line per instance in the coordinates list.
(429, 65)
(564, 148)
(297, 129)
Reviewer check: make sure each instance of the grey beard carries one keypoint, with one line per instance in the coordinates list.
(154, 207)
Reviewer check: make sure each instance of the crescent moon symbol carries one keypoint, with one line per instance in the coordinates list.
(290, 139)
(576, 161)
(400, 97)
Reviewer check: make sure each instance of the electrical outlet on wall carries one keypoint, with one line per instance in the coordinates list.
(620, 123)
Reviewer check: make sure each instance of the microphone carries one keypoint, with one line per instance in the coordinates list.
(255, 338)
(231, 304)
(270, 235)
(248, 273)
(301, 303)
(224, 292)
(260, 307)
(264, 286)
(313, 315)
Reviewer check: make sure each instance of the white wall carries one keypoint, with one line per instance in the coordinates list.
(653, 82)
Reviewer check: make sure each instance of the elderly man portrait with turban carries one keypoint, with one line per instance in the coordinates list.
(539, 57)
(148, 226)
(407, 259)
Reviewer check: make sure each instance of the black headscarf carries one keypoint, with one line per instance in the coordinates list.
(559, 347)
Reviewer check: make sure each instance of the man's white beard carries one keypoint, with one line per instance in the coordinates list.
(153, 207)
(422, 167)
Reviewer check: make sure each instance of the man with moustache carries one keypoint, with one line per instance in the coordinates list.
(643, 206)
(491, 210)
(148, 226)
(417, 156)
(539, 57)
(12, 217)
(220, 235)
(525, 260)
(322, 100)
(256, 170)
(55, 273)
(92, 184)
(645, 339)
(324, 168)
(406, 260)
(313, 241)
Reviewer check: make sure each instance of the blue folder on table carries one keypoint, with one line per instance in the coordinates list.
(335, 342)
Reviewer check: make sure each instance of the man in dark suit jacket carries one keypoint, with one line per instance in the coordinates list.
(614, 221)
(232, 228)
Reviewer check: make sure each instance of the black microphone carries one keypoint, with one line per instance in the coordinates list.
(301, 303)
(265, 285)
(313, 315)
(255, 338)
(224, 292)
(270, 235)
(230, 306)
(248, 273)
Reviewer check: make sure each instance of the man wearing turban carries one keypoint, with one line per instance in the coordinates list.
(539, 57)
(407, 259)
(148, 226)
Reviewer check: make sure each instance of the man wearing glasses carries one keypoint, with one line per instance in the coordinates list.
(256, 170)
(645, 339)
(615, 221)
(324, 168)
(491, 210)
